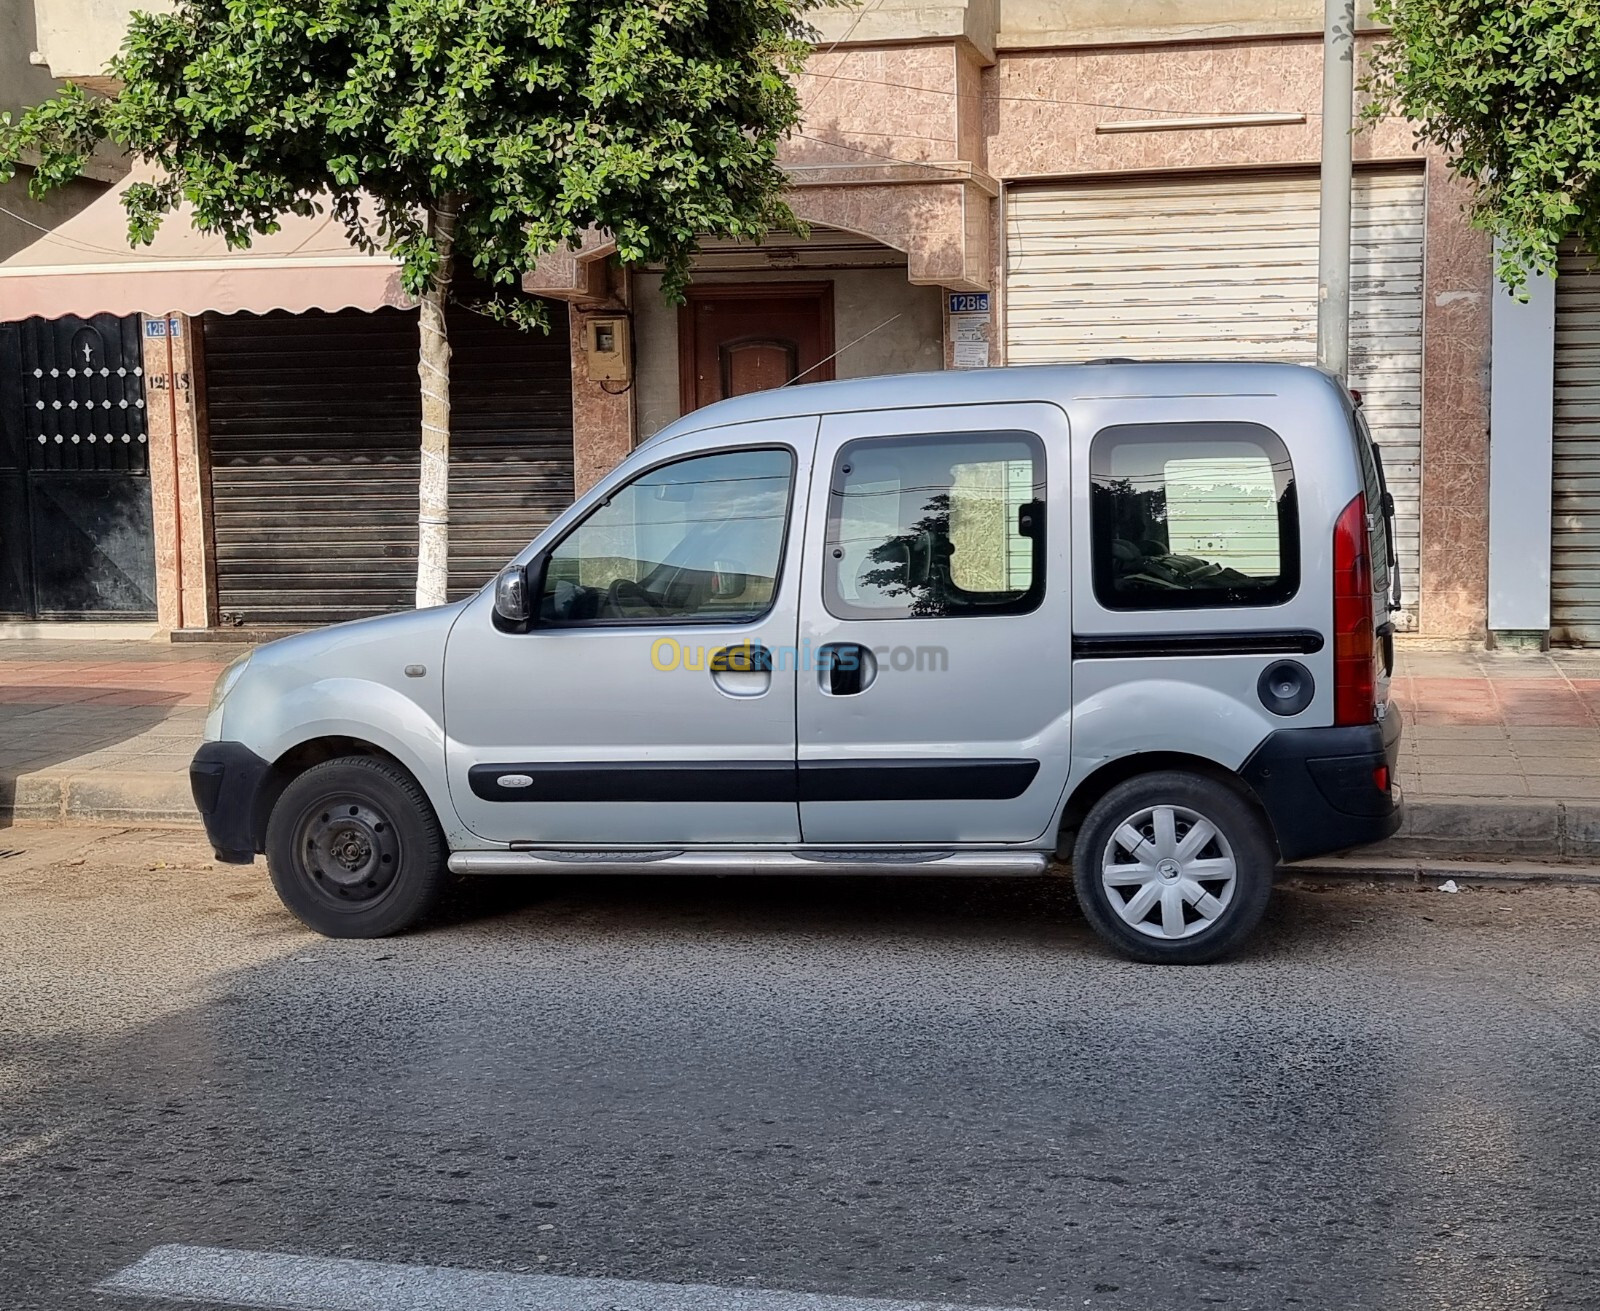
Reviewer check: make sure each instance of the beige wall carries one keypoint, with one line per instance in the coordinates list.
(910, 20)
(1084, 22)
(1011, 24)
(78, 37)
(23, 83)
(31, 215)
(862, 299)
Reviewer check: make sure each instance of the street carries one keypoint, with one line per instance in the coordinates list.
(900, 1090)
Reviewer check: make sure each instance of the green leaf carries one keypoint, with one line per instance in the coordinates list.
(1511, 90)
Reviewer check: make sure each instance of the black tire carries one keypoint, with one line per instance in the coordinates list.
(355, 850)
(1213, 924)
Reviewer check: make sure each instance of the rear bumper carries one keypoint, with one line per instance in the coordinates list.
(226, 779)
(1320, 787)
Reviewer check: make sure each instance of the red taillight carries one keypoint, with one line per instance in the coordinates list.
(1380, 778)
(1354, 637)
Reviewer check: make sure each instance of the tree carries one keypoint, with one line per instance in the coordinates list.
(446, 132)
(1510, 89)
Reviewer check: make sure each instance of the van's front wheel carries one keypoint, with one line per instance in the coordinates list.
(355, 851)
(1173, 868)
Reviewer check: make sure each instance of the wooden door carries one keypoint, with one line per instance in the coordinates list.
(737, 338)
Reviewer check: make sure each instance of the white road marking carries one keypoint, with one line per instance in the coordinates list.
(181, 1273)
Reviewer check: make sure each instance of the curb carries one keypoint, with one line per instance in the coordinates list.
(162, 800)
(1447, 828)
(1425, 871)
(1494, 834)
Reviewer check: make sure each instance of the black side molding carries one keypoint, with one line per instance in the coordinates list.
(609, 781)
(915, 780)
(1130, 646)
(754, 780)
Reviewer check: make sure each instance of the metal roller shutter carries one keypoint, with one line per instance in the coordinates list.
(314, 422)
(1575, 506)
(1226, 268)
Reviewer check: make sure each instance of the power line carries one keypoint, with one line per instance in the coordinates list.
(849, 32)
(878, 154)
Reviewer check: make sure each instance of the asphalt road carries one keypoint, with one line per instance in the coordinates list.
(899, 1090)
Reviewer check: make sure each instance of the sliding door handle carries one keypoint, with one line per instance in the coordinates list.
(846, 668)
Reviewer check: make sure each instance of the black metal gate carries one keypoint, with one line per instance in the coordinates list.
(314, 421)
(76, 537)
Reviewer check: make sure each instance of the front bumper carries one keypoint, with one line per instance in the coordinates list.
(226, 779)
(1319, 786)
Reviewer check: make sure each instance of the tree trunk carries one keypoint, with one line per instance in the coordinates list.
(433, 365)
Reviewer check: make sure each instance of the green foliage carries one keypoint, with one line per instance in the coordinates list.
(1511, 90)
(656, 120)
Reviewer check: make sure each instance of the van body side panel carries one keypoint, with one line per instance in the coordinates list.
(350, 681)
(1200, 706)
(1189, 678)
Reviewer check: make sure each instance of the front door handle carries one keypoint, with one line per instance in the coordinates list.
(742, 670)
(846, 668)
(746, 658)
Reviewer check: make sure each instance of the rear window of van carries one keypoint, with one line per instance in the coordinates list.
(1192, 515)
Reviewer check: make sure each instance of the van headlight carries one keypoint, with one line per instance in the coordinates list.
(226, 680)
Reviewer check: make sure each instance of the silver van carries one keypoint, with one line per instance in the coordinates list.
(951, 623)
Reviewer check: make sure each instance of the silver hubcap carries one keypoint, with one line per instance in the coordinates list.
(1168, 872)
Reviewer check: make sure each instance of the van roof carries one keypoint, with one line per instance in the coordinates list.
(1033, 382)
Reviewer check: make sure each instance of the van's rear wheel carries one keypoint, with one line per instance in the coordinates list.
(355, 851)
(1173, 868)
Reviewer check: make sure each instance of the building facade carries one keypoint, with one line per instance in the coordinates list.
(1053, 183)
(985, 182)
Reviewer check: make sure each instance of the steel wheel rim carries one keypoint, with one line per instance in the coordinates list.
(348, 850)
(1168, 872)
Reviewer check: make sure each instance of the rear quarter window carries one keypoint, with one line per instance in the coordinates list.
(1372, 484)
(1192, 515)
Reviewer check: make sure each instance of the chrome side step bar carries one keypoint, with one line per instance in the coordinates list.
(991, 864)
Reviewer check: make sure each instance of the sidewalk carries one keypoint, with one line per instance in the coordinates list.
(102, 730)
(1501, 754)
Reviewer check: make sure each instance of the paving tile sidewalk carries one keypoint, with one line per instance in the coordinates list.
(1501, 754)
(1500, 725)
(102, 730)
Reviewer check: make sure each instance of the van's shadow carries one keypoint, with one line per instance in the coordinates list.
(832, 906)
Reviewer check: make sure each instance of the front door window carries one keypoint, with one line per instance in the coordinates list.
(696, 541)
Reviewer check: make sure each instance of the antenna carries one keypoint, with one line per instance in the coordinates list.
(843, 348)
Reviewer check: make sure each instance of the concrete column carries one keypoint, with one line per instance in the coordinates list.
(602, 412)
(1457, 287)
(179, 472)
(1521, 456)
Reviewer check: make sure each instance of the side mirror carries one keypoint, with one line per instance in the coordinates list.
(512, 608)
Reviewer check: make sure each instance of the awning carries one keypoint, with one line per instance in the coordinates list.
(86, 266)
